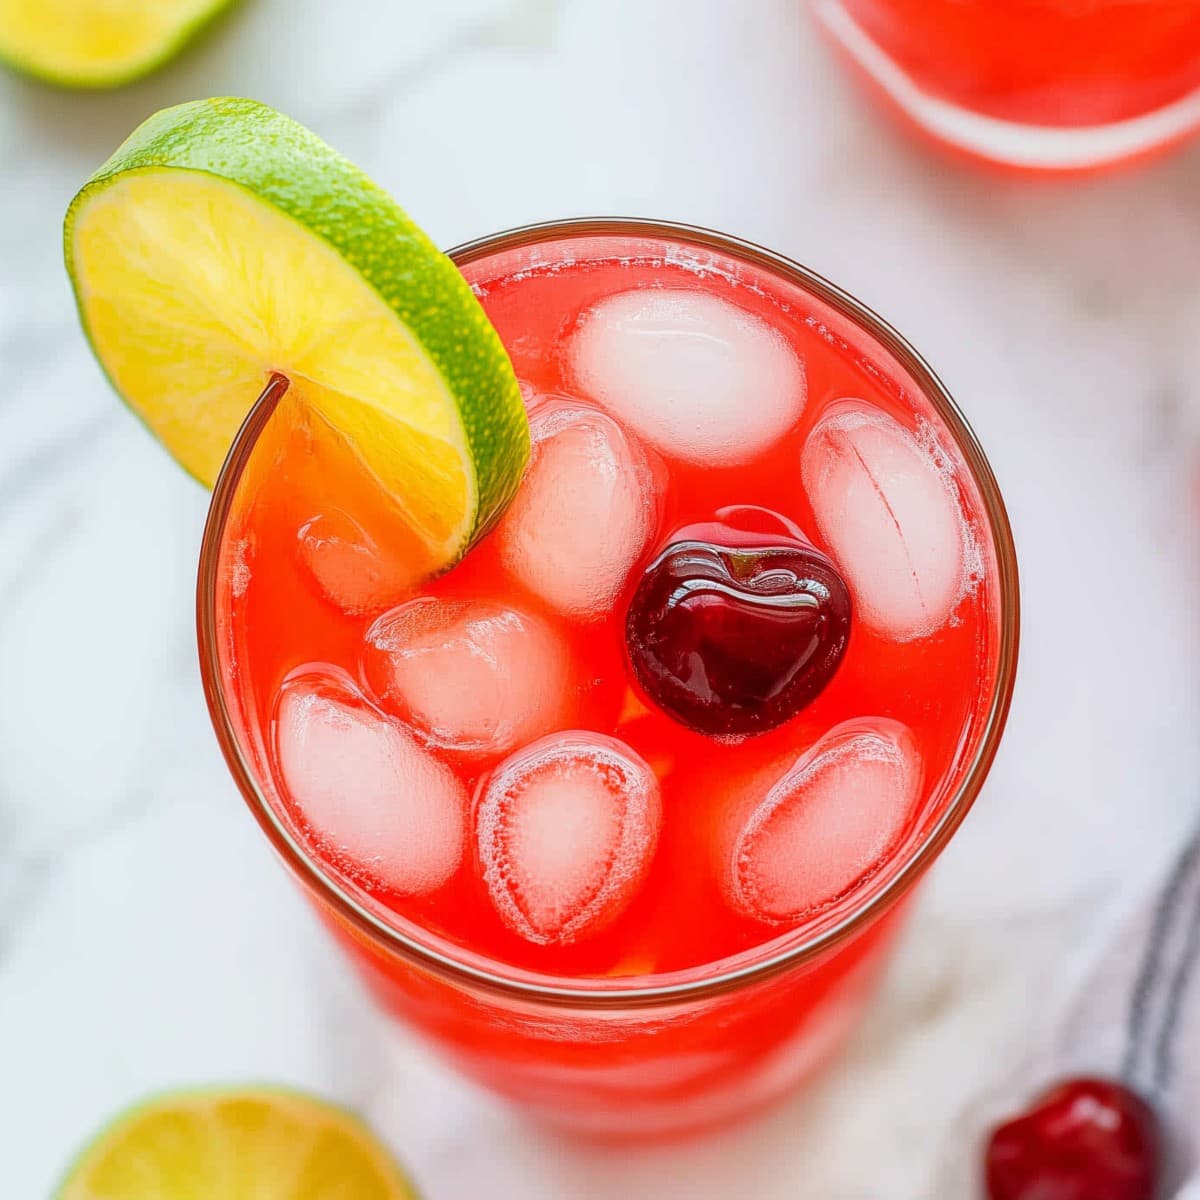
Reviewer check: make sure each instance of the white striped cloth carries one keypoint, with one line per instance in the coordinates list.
(1135, 1018)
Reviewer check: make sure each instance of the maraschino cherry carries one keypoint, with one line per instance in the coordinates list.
(737, 623)
(1086, 1139)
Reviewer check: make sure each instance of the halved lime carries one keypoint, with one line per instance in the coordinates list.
(253, 1144)
(99, 43)
(223, 243)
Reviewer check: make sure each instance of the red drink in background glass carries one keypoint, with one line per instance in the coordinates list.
(625, 922)
(1042, 85)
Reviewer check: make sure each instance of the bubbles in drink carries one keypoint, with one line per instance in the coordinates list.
(891, 515)
(584, 514)
(379, 803)
(473, 676)
(824, 823)
(698, 377)
(566, 829)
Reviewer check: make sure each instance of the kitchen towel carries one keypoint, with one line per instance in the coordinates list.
(1135, 1017)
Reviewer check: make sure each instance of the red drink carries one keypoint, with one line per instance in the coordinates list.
(567, 806)
(1054, 85)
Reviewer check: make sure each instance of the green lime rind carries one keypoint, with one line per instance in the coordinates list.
(181, 39)
(279, 162)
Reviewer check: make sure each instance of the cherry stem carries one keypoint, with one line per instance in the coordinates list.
(275, 390)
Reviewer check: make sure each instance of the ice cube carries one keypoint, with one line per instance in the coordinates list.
(825, 824)
(565, 830)
(888, 508)
(473, 676)
(695, 375)
(383, 806)
(585, 512)
(350, 568)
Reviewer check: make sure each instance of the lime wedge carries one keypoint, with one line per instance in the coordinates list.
(223, 243)
(98, 43)
(258, 1144)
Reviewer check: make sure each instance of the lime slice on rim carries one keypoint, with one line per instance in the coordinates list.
(82, 43)
(223, 243)
(253, 1144)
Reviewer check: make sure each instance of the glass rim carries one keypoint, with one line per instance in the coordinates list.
(565, 992)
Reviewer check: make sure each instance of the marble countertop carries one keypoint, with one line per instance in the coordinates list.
(148, 939)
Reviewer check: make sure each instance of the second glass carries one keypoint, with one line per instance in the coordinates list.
(1032, 85)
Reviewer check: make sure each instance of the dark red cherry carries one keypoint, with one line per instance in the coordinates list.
(1087, 1139)
(737, 623)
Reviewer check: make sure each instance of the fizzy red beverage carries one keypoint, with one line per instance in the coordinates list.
(724, 669)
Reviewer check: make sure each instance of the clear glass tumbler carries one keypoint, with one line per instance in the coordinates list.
(1032, 85)
(639, 1055)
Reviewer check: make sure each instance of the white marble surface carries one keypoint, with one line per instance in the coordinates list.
(148, 940)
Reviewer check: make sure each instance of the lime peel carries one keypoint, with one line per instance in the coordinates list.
(81, 44)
